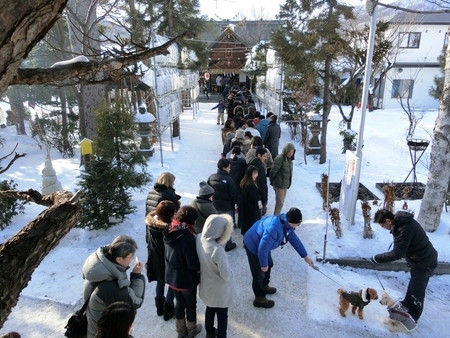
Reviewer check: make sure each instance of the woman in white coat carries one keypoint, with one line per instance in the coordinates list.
(217, 284)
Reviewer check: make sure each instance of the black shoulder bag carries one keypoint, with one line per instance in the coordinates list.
(77, 324)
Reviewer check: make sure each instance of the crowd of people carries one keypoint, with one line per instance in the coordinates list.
(187, 245)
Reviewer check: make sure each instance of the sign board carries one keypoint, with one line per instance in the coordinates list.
(348, 180)
(207, 76)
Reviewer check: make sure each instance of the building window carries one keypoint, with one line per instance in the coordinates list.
(402, 89)
(445, 41)
(409, 40)
(379, 90)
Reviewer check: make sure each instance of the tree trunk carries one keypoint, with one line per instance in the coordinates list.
(439, 174)
(326, 112)
(16, 101)
(22, 25)
(65, 133)
(85, 40)
(23, 252)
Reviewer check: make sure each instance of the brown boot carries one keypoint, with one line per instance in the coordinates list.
(193, 329)
(263, 302)
(180, 325)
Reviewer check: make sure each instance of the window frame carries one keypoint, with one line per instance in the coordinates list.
(402, 87)
(409, 40)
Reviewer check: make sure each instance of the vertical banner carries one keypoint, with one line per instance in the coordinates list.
(347, 185)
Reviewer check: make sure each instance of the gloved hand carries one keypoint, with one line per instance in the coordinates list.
(373, 261)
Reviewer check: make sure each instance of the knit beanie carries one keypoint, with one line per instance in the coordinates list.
(205, 189)
(294, 215)
(240, 133)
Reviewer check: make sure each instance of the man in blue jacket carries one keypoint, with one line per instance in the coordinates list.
(265, 235)
(221, 111)
(412, 243)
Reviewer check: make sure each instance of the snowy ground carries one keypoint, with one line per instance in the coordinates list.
(306, 304)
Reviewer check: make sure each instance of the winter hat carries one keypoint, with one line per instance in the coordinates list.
(294, 215)
(205, 189)
(240, 133)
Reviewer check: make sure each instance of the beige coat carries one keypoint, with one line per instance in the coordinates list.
(217, 282)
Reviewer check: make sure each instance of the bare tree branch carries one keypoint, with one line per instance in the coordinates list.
(16, 156)
(85, 72)
(413, 10)
(35, 196)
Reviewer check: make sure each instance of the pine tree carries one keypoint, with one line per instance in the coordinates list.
(113, 171)
(308, 43)
(177, 16)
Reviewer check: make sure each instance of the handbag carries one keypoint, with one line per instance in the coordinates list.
(76, 326)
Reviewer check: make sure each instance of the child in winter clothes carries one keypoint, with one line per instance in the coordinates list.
(221, 110)
(182, 270)
(217, 284)
(156, 222)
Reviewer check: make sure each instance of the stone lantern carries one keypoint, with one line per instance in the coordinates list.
(144, 121)
(315, 126)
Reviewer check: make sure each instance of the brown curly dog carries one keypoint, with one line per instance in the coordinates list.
(357, 299)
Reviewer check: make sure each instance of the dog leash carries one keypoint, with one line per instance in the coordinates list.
(317, 269)
(380, 281)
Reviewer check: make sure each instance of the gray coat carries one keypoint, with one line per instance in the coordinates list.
(112, 285)
(272, 138)
(217, 283)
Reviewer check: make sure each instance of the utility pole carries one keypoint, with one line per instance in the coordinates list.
(372, 9)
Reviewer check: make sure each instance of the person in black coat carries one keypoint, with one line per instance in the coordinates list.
(225, 193)
(162, 191)
(238, 167)
(258, 162)
(183, 269)
(272, 136)
(156, 222)
(251, 199)
(411, 243)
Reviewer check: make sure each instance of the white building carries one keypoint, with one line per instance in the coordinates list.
(420, 40)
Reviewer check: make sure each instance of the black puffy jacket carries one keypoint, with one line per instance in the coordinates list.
(160, 193)
(225, 190)
(410, 242)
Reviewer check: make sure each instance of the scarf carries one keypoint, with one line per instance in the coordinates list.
(177, 225)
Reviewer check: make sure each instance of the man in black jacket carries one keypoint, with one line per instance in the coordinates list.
(410, 242)
(225, 193)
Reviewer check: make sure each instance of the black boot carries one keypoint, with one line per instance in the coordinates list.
(169, 311)
(159, 303)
